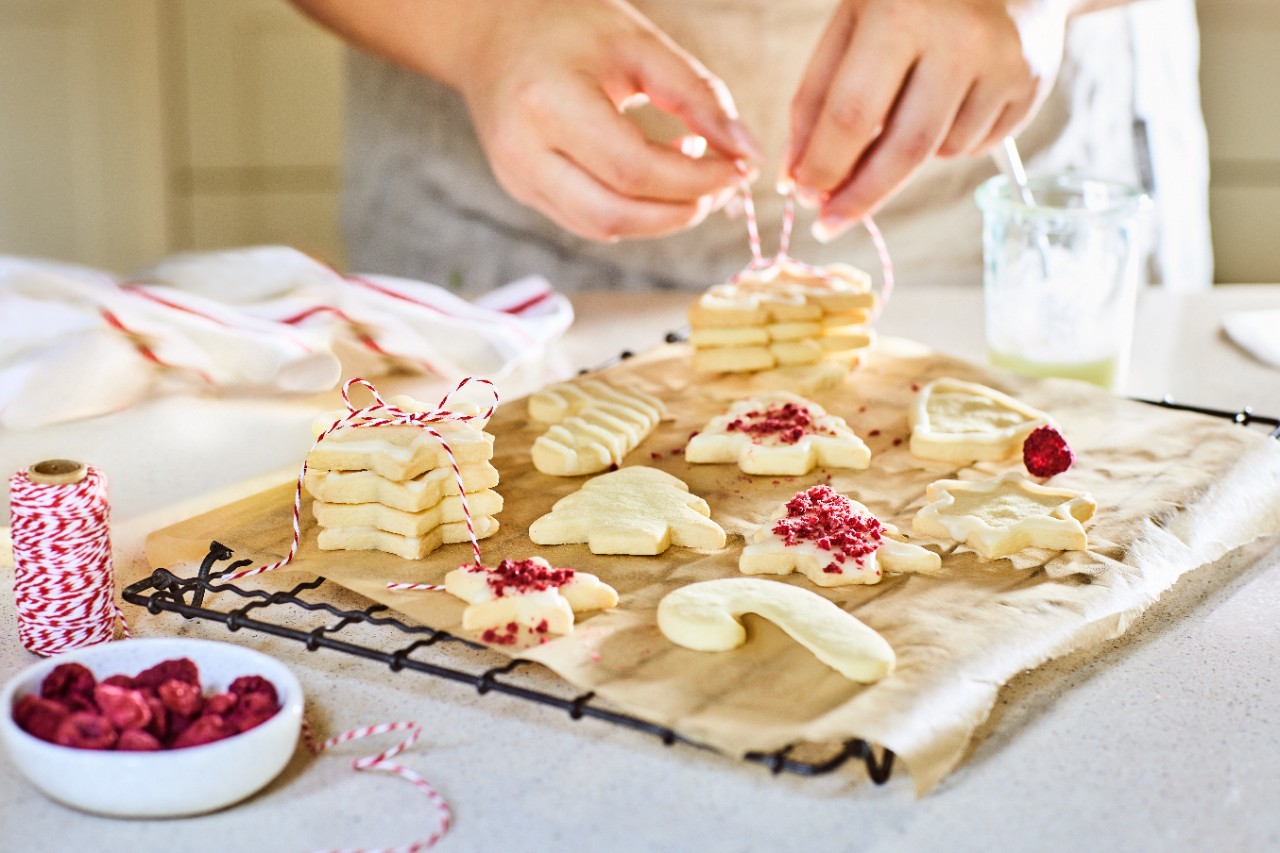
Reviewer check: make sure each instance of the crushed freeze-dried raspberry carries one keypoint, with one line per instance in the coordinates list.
(825, 517)
(785, 424)
(70, 684)
(137, 740)
(86, 730)
(655, 455)
(874, 432)
(39, 717)
(124, 681)
(125, 708)
(523, 576)
(897, 441)
(1045, 452)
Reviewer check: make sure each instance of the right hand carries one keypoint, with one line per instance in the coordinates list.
(546, 82)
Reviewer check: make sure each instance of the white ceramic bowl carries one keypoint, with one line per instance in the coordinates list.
(167, 783)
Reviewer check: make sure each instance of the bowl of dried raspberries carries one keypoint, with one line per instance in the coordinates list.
(152, 727)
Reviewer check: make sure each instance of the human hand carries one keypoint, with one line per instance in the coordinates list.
(893, 83)
(546, 82)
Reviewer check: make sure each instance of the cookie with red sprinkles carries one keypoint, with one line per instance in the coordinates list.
(833, 540)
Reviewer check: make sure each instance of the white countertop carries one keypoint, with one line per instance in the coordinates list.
(1165, 739)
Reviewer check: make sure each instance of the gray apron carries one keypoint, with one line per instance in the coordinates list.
(420, 200)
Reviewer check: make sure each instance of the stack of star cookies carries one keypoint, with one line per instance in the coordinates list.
(392, 488)
(784, 316)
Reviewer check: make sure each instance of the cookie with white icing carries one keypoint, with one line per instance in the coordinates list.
(956, 421)
(529, 593)
(781, 434)
(833, 540)
(1001, 516)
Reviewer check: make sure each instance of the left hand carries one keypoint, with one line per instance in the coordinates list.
(893, 83)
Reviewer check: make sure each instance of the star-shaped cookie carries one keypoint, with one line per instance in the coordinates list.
(634, 510)
(778, 433)
(957, 421)
(1001, 516)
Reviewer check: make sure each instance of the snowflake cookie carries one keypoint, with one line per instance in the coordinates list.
(778, 433)
(633, 510)
(1001, 516)
(955, 421)
(833, 540)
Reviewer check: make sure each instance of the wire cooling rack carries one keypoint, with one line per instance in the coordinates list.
(256, 610)
(267, 612)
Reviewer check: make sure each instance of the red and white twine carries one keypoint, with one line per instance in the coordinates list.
(383, 413)
(382, 761)
(64, 583)
(759, 262)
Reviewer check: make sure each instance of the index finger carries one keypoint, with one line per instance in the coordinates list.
(868, 79)
(585, 126)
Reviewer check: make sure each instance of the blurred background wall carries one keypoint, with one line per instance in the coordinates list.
(130, 129)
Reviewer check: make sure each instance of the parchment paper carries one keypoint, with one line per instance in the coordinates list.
(1174, 491)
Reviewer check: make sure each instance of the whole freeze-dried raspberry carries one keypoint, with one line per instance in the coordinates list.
(137, 740)
(221, 703)
(125, 681)
(159, 726)
(86, 730)
(72, 685)
(125, 708)
(182, 669)
(207, 729)
(39, 717)
(253, 709)
(181, 697)
(1045, 452)
(247, 684)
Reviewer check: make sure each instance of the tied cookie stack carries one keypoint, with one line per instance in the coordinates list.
(392, 488)
(783, 317)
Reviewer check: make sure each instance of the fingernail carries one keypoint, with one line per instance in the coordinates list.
(809, 197)
(745, 141)
(829, 228)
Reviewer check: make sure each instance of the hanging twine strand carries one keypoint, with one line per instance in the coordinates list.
(382, 761)
(64, 583)
(383, 413)
(759, 262)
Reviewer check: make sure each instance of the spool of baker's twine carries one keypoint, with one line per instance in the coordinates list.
(64, 584)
